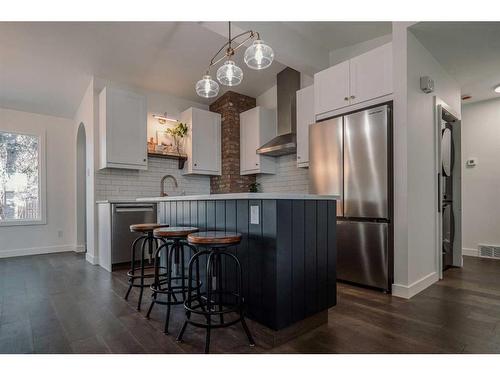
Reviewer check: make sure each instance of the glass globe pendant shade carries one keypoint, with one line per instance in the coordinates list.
(229, 74)
(207, 87)
(259, 55)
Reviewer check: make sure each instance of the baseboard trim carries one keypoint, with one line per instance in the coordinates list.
(91, 259)
(80, 249)
(36, 251)
(408, 291)
(470, 252)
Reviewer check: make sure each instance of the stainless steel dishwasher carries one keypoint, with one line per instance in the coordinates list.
(124, 215)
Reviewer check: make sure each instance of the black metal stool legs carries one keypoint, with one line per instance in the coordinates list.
(171, 284)
(215, 300)
(132, 267)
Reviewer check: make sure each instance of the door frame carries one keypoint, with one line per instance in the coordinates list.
(441, 108)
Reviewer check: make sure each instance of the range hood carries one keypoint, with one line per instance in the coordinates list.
(287, 82)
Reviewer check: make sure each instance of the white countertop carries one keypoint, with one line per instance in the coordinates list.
(108, 201)
(240, 196)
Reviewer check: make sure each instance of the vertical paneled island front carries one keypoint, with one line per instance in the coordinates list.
(288, 249)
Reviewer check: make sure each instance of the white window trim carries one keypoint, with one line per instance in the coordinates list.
(42, 183)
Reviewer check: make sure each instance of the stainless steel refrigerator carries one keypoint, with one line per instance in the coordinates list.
(351, 156)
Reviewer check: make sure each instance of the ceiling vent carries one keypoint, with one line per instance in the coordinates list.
(489, 251)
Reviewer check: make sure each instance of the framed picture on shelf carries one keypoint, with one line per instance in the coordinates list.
(163, 138)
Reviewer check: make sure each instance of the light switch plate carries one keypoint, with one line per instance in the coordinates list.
(254, 215)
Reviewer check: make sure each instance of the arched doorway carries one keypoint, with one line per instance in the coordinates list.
(81, 191)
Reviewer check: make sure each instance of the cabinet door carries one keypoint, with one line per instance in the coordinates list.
(371, 74)
(331, 88)
(305, 117)
(125, 129)
(206, 142)
(249, 141)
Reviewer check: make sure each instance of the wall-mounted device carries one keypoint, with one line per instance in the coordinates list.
(471, 162)
(427, 84)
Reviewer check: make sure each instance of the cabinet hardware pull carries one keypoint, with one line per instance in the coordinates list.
(353, 97)
(346, 98)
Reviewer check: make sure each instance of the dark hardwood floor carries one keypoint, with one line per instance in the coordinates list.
(58, 303)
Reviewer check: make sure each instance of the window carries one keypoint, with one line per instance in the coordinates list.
(21, 179)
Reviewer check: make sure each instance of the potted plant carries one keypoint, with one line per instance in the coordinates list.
(178, 132)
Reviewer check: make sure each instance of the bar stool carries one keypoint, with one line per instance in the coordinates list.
(147, 238)
(216, 300)
(174, 241)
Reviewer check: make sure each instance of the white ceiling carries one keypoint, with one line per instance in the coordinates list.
(469, 51)
(45, 66)
(333, 35)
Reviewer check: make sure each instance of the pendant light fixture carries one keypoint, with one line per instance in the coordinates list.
(258, 56)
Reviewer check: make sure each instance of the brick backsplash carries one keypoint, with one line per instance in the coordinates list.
(112, 183)
(230, 105)
(288, 178)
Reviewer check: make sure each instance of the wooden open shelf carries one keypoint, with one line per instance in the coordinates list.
(181, 158)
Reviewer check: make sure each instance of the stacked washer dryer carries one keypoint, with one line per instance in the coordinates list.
(447, 157)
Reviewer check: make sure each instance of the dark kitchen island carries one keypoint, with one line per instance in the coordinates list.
(288, 252)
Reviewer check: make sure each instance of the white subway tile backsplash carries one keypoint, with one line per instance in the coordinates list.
(114, 183)
(288, 178)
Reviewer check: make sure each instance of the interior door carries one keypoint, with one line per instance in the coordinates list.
(325, 159)
(331, 88)
(366, 164)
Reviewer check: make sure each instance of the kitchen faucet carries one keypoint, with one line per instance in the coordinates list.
(162, 183)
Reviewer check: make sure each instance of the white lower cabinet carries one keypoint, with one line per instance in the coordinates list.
(257, 126)
(305, 117)
(122, 129)
(203, 142)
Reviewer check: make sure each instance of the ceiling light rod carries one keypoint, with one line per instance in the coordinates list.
(230, 50)
(257, 56)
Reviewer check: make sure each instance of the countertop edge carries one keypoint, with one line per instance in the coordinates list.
(231, 196)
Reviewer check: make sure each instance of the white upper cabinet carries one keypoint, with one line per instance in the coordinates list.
(331, 88)
(122, 129)
(257, 126)
(202, 142)
(305, 117)
(364, 77)
(371, 74)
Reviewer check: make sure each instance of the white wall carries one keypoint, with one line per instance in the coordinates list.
(414, 155)
(342, 54)
(58, 234)
(481, 184)
(85, 115)
(422, 177)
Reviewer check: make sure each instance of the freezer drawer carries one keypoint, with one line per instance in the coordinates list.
(363, 253)
(366, 164)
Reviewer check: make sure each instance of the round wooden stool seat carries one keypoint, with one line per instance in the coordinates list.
(214, 238)
(144, 228)
(169, 232)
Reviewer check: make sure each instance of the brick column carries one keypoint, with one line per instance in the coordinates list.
(230, 105)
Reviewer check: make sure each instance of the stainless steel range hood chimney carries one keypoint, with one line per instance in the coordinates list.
(287, 82)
